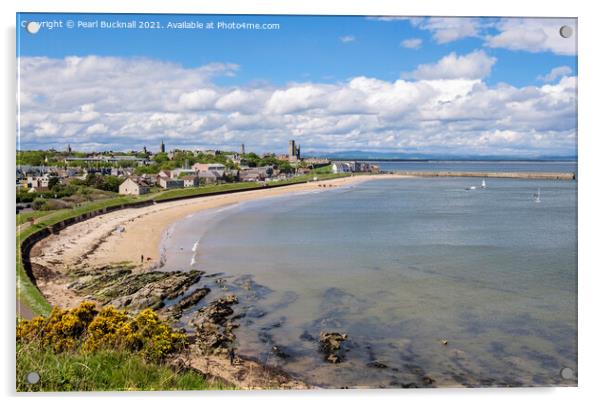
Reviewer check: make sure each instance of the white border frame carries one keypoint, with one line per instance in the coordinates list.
(589, 222)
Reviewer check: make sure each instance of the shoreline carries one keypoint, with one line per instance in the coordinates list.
(128, 235)
(248, 372)
(122, 236)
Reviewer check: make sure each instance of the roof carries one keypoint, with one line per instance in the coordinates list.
(207, 173)
(169, 179)
(137, 181)
(220, 165)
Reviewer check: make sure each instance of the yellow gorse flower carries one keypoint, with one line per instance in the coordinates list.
(86, 329)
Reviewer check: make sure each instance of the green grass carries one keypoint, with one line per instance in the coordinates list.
(323, 169)
(210, 189)
(204, 190)
(23, 217)
(108, 370)
(27, 292)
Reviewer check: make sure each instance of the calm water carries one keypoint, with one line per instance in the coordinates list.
(399, 265)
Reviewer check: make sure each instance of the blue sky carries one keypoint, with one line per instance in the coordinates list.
(312, 65)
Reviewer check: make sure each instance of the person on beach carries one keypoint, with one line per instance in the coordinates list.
(142, 259)
(231, 355)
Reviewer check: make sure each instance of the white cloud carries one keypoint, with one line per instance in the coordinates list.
(85, 113)
(296, 99)
(241, 100)
(555, 73)
(519, 34)
(198, 99)
(387, 18)
(97, 129)
(534, 35)
(499, 137)
(347, 38)
(447, 108)
(475, 65)
(448, 29)
(45, 129)
(110, 82)
(412, 43)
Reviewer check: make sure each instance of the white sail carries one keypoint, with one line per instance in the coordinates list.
(483, 184)
(538, 195)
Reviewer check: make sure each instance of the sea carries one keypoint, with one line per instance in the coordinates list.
(434, 283)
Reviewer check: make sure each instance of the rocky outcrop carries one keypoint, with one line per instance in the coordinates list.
(153, 294)
(213, 327)
(376, 364)
(252, 290)
(90, 281)
(331, 344)
(243, 373)
(120, 287)
(189, 301)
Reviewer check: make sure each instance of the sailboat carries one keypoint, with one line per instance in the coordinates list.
(483, 184)
(537, 196)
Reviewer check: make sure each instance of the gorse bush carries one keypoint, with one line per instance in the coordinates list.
(84, 329)
(86, 349)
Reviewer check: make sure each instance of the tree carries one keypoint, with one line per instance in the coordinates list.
(150, 169)
(285, 167)
(106, 183)
(111, 183)
(52, 182)
(161, 157)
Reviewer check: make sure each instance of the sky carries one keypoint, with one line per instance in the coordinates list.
(450, 86)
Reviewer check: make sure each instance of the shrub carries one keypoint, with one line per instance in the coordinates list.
(25, 197)
(88, 330)
(53, 204)
(61, 330)
(38, 203)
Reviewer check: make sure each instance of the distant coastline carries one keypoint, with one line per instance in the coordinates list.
(459, 160)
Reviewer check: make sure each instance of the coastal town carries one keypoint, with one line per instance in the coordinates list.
(47, 180)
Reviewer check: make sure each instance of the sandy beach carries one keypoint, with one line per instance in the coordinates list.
(130, 234)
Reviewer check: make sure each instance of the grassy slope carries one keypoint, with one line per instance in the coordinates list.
(23, 217)
(204, 190)
(28, 294)
(102, 371)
